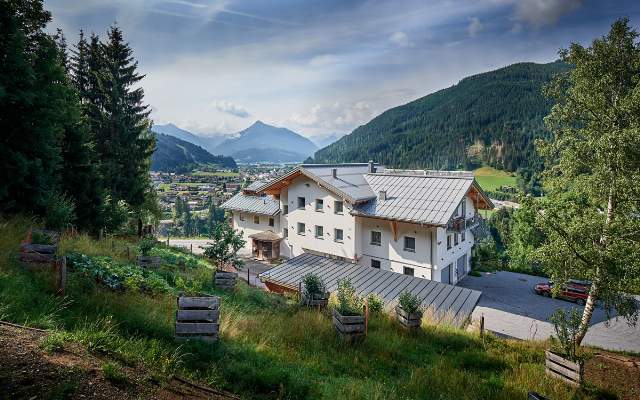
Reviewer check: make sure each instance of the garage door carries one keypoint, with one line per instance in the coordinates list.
(461, 266)
(445, 275)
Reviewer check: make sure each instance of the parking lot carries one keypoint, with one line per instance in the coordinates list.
(510, 307)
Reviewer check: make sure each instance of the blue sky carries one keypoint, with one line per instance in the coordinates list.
(325, 66)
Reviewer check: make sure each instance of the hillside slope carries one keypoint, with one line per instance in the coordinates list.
(490, 118)
(262, 142)
(173, 154)
(207, 142)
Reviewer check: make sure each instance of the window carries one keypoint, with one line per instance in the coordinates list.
(463, 236)
(301, 202)
(407, 271)
(241, 217)
(448, 242)
(338, 207)
(455, 238)
(375, 263)
(338, 235)
(285, 209)
(301, 228)
(271, 222)
(285, 233)
(319, 231)
(410, 244)
(256, 219)
(376, 238)
(319, 204)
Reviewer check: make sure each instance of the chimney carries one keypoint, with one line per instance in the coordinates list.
(334, 173)
(372, 169)
(382, 195)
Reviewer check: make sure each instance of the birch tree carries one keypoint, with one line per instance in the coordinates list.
(591, 215)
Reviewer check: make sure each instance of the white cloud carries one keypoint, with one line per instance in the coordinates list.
(400, 39)
(538, 13)
(337, 116)
(230, 108)
(323, 60)
(474, 27)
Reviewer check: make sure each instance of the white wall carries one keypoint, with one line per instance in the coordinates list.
(248, 227)
(390, 253)
(327, 218)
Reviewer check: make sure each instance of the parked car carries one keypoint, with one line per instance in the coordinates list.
(574, 290)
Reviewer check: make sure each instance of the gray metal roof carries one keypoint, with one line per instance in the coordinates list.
(265, 205)
(350, 179)
(426, 199)
(255, 186)
(453, 302)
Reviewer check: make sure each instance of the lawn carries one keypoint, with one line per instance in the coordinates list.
(269, 348)
(224, 174)
(491, 179)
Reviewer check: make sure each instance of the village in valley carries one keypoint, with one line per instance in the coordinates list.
(320, 200)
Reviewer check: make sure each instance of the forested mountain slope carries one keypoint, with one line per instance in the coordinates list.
(173, 154)
(492, 118)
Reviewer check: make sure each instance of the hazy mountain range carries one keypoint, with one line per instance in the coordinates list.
(175, 155)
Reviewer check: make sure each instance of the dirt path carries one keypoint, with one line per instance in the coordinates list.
(28, 372)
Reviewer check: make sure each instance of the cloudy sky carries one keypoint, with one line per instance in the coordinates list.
(325, 66)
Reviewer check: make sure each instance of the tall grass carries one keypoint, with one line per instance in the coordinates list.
(269, 347)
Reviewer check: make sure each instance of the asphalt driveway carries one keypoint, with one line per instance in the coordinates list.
(510, 307)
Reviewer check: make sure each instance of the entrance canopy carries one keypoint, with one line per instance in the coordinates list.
(449, 302)
(266, 236)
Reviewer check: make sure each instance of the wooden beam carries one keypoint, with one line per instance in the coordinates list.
(394, 230)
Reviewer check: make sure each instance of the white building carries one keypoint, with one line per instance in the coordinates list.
(419, 223)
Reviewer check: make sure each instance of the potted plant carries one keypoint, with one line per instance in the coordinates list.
(408, 310)
(314, 293)
(563, 360)
(348, 317)
(145, 259)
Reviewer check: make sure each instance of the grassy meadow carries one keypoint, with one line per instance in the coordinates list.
(491, 179)
(269, 348)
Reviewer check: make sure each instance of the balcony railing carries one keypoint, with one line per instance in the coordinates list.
(458, 224)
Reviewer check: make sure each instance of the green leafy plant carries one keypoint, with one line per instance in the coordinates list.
(409, 302)
(146, 245)
(52, 343)
(114, 373)
(39, 237)
(224, 247)
(376, 303)
(349, 303)
(313, 285)
(60, 211)
(566, 325)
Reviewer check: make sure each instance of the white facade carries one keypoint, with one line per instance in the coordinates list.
(315, 227)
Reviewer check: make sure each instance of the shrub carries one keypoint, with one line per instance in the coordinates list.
(566, 325)
(146, 245)
(409, 302)
(60, 211)
(114, 373)
(475, 273)
(313, 285)
(348, 302)
(39, 237)
(376, 304)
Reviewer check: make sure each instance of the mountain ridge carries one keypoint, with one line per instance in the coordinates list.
(175, 155)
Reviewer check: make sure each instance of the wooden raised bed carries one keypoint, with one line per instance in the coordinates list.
(149, 261)
(197, 318)
(408, 320)
(349, 327)
(226, 280)
(32, 254)
(319, 300)
(559, 367)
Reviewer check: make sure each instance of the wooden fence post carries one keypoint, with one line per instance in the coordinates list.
(482, 326)
(191, 248)
(128, 253)
(61, 281)
(248, 277)
(366, 316)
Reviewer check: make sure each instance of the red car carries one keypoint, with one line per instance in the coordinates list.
(575, 290)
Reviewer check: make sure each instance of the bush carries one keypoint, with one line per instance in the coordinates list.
(376, 304)
(313, 285)
(59, 211)
(409, 302)
(566, 325)
(348, 302)
(146, 245)
(475, 273)
(39, 237)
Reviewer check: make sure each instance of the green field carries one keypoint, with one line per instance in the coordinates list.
(491, 179)
(224, 174)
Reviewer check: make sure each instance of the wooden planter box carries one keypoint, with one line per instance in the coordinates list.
(34, 254)
(349, 327)
(320, 300)
(226, 280)
(559, 367)
(197, 318)
(149, 261)
(408, 320)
